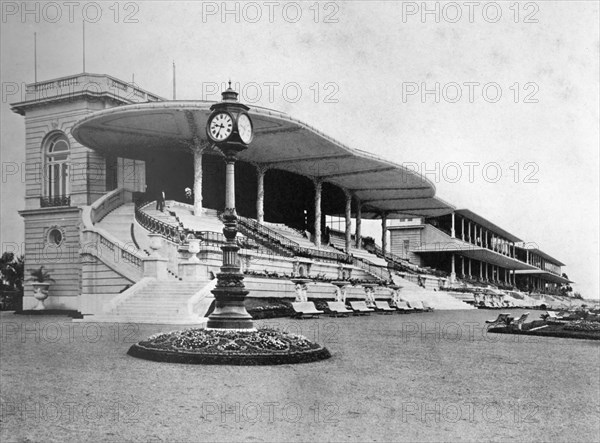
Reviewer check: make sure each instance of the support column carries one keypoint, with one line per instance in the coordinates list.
(462, 228)
(230, 312)
(453, 230)
(357, 233)
(480, 270)
(453, 268)
(470, 275)
(260, 193)
(318, 187)
(348, 221)
(384, 233)
(487, 275)
(198, 151)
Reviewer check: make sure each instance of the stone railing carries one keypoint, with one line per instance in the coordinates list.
(107, 203)
(123, 259)
(89, 84)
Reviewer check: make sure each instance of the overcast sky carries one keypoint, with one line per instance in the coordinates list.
(512, 134)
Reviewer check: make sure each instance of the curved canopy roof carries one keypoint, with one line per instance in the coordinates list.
(280, 142)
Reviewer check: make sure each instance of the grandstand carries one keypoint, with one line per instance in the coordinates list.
(116, 257)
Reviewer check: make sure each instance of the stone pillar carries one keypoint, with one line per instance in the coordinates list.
(260, 193)
(462, 228)
(198, 151)
(480, 270)
(453, 268)
(487, 276)
(384, 233)
(348, 222)
(470, 275)
(318, 187)
(453, 230)
(357, 233)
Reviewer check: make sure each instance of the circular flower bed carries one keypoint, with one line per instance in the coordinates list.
(231, 347)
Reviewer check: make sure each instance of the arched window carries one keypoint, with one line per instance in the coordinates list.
(56, 149)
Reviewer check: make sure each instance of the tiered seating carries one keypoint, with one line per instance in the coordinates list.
(295, 236)
(366, 255)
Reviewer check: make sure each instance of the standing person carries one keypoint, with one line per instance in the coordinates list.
(160, 201)
(188, 195)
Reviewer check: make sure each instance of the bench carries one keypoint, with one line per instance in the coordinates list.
(383, 307)
(360, 308)
(305, 309)
(338, 308)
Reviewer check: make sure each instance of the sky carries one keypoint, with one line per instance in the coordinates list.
(496, 102)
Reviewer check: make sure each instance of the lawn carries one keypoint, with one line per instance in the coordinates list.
(417, 377)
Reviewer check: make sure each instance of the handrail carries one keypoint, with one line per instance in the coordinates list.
(155, 225)
(107, 203)
(277, 239)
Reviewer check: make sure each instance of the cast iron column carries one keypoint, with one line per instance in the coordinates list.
(230, 312)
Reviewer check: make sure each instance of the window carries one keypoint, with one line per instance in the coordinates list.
(56, 168)
(55, 237)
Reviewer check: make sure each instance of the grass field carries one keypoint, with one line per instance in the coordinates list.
(418, 377)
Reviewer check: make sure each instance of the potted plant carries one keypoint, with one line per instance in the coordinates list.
(40, 280)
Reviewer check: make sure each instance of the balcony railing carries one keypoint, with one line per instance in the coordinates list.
(54, 201)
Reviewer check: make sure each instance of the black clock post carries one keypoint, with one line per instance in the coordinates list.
(230, 128)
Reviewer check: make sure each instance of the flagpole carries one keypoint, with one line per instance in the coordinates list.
(174, 84)
(83, 34)
(35, 57)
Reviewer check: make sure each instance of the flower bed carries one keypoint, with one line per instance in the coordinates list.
(233, 347)
(577, 329)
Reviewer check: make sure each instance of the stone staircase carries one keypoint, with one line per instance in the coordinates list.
(437, 299)
(118, 222)
(158, 302)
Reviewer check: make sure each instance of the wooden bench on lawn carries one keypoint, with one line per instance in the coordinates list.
(338, 308)
(303, 309)
(402, 306)
(503, 319)
(360, 308)
(383, 307)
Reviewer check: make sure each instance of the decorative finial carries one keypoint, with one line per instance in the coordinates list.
(229, 95)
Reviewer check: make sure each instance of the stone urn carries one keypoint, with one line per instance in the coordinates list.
(40, 292)
(193, 249)
(156, 244)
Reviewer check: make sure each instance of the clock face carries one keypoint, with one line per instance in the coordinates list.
(220, 127)
(244, 128)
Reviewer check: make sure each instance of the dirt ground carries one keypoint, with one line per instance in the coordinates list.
(418, 377)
